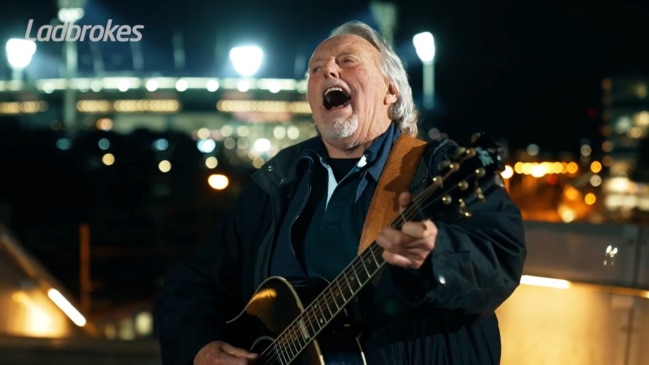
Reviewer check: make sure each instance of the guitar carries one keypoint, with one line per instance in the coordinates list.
(305, 322)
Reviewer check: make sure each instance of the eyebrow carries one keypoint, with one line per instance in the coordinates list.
(344, 53)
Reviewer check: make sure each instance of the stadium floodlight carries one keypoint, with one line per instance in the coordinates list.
(246, 59)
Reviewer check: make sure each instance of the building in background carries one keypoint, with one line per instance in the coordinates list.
(626, 116)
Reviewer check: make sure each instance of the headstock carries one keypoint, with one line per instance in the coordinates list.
(463, 176)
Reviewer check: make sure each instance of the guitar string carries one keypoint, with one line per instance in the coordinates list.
(292, 334)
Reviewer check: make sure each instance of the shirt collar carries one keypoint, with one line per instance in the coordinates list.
(377, 154)
(373, 158)
(371, 163)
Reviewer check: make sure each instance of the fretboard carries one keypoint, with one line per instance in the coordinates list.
(327, 305)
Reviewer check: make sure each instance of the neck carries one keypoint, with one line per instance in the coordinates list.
(347, 149)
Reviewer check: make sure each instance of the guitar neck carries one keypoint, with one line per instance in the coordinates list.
(328, 304)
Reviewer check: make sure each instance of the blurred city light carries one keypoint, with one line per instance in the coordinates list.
(152, 85)
(164, 166)
(108, 159)
(508, 172)
(66, 307)
(103, 144)
(262, 145)
(547, 282)
(212, 85)
(36, 319)
(104, 124)
(143, 322)
(211, 162)
(160, 144)
(218, 181)
(70, 15)
(206, 145)
(246, 59)
(181, 85)
(70, 11)
(63, 143)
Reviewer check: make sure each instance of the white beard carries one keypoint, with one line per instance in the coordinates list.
(341, 128)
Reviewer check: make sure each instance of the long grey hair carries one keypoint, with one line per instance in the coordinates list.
(403, 111)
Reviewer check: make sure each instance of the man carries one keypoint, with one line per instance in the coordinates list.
(304, 214)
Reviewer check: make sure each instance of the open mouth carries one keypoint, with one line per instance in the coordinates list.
(335, 97)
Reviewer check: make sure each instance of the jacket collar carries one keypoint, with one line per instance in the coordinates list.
(373, 159)
(289, 163)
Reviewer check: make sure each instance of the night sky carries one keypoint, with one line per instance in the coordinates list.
(527, 72)
(522, 71)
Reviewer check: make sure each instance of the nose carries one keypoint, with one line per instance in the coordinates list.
(330, 69)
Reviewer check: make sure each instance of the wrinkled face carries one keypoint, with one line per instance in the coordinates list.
(348, 93)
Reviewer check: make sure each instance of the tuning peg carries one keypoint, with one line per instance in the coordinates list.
(475, 137)
(463, 185)
(459, 152)
(480, 172)
(437, 181)
(479, 193)
(447, 199)
(462, 208)
(444, 164)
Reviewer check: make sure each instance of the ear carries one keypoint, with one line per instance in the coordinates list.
(390, 95)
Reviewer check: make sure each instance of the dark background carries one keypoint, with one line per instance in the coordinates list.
(523, 71)
(528, 71)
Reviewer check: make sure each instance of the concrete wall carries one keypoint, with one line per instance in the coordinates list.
(32, 351)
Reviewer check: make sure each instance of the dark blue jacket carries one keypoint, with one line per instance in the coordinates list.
(442, 313)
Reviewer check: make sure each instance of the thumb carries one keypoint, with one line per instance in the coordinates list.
(238, 352)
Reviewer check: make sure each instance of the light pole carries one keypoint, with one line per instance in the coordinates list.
(425, 46)
(19, 55)
(385, 14)
(70, 11)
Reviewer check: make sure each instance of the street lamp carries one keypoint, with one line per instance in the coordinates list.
(425, 46)
(70, 12)
(19, 55)
(246, 59)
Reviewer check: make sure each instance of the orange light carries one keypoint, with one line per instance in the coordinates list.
(590, 199)
(595, 167)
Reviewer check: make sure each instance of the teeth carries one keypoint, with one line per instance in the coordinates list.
(334, 97)
(335, 88)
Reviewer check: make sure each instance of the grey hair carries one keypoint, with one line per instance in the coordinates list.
(403, 111)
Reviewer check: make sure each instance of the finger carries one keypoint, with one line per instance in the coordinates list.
(390, 233)
(405, 199)
(397, 241)
(419, 229)
(400, 260)
(238, 352)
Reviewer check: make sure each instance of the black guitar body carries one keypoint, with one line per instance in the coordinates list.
(274, 306)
